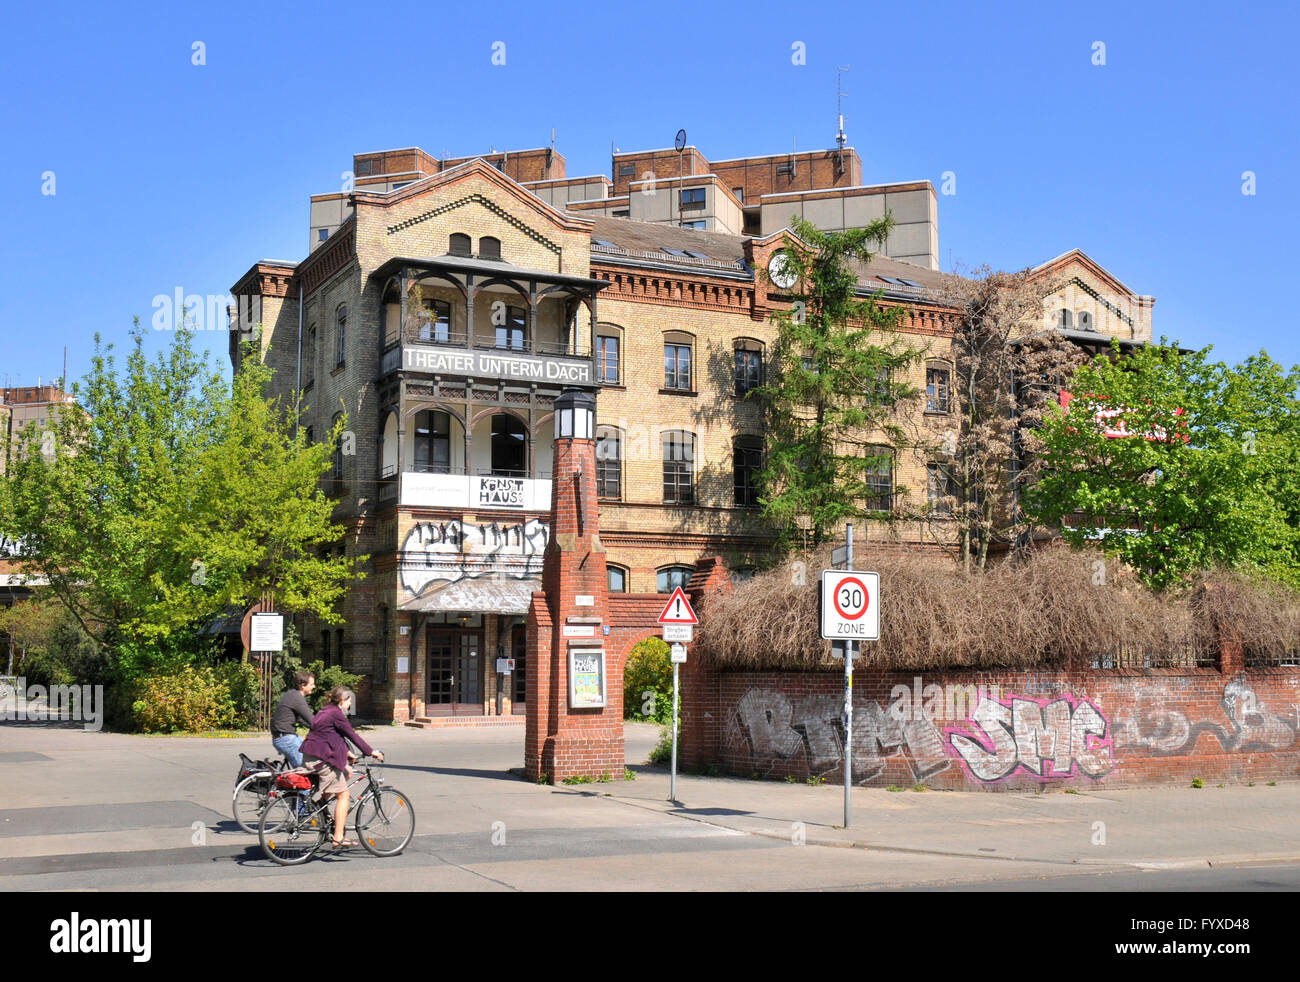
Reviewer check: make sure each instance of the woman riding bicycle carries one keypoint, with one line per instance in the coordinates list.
(325, 754)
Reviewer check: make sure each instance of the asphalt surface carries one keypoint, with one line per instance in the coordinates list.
(102, 811)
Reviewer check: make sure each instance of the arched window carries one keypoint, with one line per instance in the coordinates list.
(617, 576)
(337, 472)
(609, 463)
(670, 578)
(747, 456)
(609, 349)
(1064, 319)
(679, 467)
(433, 442)
(459, 244)
(309, 365)
(489, 248)
(341, 347)
(509, 446)
(1083, 318)
(749, 366)
(678, 348)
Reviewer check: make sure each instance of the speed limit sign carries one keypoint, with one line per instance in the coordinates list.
(850, 603)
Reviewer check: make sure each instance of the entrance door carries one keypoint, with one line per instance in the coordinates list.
(455, 673)
(519, 680)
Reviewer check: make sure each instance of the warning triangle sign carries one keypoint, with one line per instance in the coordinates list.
(678, 610)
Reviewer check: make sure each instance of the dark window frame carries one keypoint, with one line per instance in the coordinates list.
(938, 396)
(746, 461)
(602, 361)
(609, 469)
(673, 370)
(679, 467)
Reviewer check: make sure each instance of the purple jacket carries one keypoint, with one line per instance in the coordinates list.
(326, 738)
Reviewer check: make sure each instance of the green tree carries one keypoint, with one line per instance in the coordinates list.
(834, 389)
(167, 495)
(1194, 476)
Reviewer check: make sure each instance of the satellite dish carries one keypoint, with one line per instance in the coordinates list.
(680, 142)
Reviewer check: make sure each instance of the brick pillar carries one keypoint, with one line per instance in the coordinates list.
(700, 707)
(563, 741)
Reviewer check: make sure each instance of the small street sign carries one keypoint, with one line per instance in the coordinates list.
(678, 610)
(850, 605)
(679, 632)
(840, 557)
(678, 652)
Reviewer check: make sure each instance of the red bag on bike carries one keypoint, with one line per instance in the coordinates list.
(293, 782)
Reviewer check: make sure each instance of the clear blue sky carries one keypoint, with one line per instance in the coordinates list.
(169, 174)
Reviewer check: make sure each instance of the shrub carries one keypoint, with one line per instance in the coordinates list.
(648, 669)
(190, 699)
(1058, 608)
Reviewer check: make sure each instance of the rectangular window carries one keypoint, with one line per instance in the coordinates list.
(677, 367)
(626, 170)
(747, 460)
(749, 371)
(941, 489)
(341, 347)
(433, 442)
(609, 465)
(322, 234)
(436, 326)
(617, 579)
(878, 388)
(607, 360)
(702, 226)
(740, 194)
(692, 197)
(623, 213)
(879, 476)
(937, 390)
(679, 468)
(514, 332)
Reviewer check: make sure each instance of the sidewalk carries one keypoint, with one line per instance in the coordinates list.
(1149, 828)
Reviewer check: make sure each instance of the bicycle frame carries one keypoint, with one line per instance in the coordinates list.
(326, 808)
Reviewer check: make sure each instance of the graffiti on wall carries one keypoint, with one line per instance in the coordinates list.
(767, 729)
(1044, 738)
(456, 551)
(1166, 732)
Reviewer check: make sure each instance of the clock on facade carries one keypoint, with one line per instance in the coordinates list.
(780, 270)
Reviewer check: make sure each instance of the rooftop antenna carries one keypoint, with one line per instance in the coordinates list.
(679, 144)
(840, 138)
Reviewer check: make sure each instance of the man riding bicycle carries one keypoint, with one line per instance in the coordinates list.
(291, 708)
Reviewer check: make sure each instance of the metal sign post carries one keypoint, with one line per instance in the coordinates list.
(678, 656)
(850, 649)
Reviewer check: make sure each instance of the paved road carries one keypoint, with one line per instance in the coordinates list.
(109, 811)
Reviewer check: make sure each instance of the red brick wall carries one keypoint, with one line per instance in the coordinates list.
(1023, 730)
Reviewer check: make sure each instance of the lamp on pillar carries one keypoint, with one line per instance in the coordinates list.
(575, 412)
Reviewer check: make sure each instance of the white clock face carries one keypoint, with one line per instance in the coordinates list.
(781, 271)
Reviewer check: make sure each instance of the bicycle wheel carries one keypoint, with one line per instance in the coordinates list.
(385, 823)
(251, 797)
(288, 839)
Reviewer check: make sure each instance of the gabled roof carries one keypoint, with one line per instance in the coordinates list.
(480, 168)
(1083, 259)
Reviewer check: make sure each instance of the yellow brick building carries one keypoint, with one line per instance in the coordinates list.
(442, 314)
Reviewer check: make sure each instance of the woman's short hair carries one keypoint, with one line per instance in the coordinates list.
(302, 678)
(339, 693)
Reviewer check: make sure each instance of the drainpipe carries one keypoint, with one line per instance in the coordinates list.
(297, 402)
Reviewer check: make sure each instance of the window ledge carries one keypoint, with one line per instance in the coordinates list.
(938, 412)
(613, 385)
(679, 392)
(337, 369)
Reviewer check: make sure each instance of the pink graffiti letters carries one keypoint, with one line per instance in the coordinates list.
(1047, 738)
